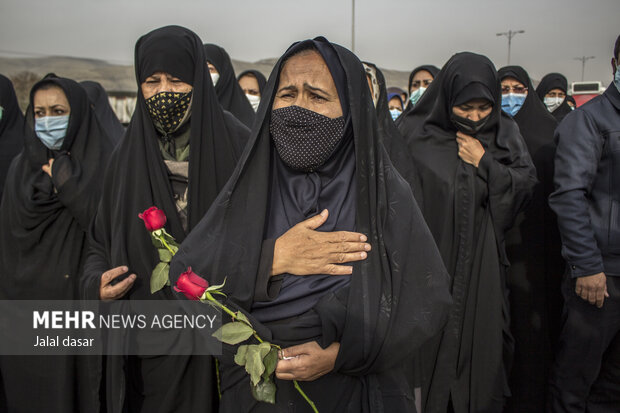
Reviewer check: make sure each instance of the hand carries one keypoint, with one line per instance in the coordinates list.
(48, 168)
(108, 291)
(303, 251)
(309, 361)
(470, 149)
(593, 288)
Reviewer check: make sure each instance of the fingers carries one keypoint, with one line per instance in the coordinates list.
(344, 257)
(114, 292)
(600, 297)
(316, 221)
(333, 269)
(353, 247)
(298, 350)
(296, 367)
(109, 275)
(345, 236)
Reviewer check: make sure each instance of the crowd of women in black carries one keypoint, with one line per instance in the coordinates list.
(397, 263)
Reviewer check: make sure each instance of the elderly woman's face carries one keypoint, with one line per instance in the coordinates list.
(474, 109)
(163, 82)
(305, 81)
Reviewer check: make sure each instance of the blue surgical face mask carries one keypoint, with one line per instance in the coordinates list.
(617, 79)
(51, 130)
(512, 102)
(416, 95)
(1, 113)
(395, 113)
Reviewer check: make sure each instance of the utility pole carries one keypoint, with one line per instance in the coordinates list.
(583, 60)
(510, 34)
(353, 26)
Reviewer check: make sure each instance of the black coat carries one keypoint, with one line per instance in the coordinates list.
(586, 175)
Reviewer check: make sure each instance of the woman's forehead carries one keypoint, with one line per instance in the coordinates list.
(307, 66)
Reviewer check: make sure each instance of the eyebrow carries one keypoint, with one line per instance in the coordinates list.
(317, 89)
(306, 86)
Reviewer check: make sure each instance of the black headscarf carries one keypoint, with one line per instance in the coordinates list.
(260, 78)
(554, 81)
(433, 70)
(101, 104)
(229, 93)
(11, 128)
(468, 210)
(533, 246)
(396, 298)
(393, 140)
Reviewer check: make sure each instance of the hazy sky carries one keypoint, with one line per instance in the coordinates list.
(394, 34)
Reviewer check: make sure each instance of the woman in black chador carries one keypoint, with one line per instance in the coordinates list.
(552, 91)
(228, 91)
(52, 190)
(476, 175)
(11, 128)
(533, 246)
(314, 189)
(178, 152)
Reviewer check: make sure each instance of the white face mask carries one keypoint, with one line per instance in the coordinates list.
(214, 78)
(416, 95)
(553, 103)
(254, 101)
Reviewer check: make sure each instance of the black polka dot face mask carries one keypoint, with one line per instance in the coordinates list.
(304, 139)
(169, 109)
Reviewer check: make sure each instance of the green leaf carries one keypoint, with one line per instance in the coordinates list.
(233, 333)
(157, 242)
(159, 276)
(217, 287)
(240, 356)
(174, 247)
(169, 238)
(265, 391)
(254, 361)
(270, 361)
(164, 255)
(241, 317)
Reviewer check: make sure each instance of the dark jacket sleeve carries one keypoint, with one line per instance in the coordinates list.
(576, 162)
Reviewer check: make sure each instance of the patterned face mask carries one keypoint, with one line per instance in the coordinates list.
(304, 139)
(169, 109)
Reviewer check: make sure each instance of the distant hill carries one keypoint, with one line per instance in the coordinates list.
(119, 78)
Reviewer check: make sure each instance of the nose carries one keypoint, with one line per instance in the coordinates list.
(164, 85)
(475, 115)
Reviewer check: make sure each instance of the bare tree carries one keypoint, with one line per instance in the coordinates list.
(23, 82)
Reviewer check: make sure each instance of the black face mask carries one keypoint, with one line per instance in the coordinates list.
(304, 139)
(168, 109)
(468, 126)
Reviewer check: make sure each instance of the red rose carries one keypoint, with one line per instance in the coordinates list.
(153, 218)
(190, 284)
